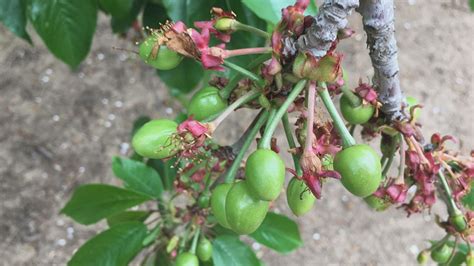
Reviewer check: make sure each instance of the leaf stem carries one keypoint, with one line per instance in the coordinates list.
(347, 139)
(230, 175)
(267, 136)
(291, 143)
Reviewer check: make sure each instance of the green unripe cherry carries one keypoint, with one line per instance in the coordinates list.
(206, 103)
(355, 115)
(187, 259)
(154, 139)
(360, 169)
(245, 212)
(299, 198)
(265, 174)
(161, 57)
(218, 200)
(459, 222)
(423, 257)
(442, 253)
(377, 203)
(204, 249)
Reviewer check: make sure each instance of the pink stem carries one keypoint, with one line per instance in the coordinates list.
(247, 51)
(310, 114)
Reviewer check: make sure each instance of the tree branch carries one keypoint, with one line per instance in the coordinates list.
(332, 17)
(378, 19)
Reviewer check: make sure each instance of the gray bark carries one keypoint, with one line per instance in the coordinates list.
(332, 16)
(378, 19)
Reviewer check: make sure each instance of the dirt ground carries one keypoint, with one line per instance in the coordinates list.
(60, 128)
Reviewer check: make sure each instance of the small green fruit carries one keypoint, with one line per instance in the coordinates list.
(204, 249)
(154, 139)
(377, 203)
(187, 259)
(356, 115)
(244, 212)
(265, 172)
(218, 202)
(442, 253)
(160, 57)
(360, 169)
(299, 198)
(206, 103)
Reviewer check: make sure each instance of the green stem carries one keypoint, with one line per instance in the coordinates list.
(244, 72)
(227, 90)
(244, 27)
(440, 242)
(195, 240)
(242, 100)
(291, 143)
(347, 139)
(230, 175)
(452, 208)
(354, 100)
(387, 166)
(270, 118)
(267, 136)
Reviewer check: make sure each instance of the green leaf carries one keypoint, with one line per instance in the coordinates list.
(115, 246)
(188, 11)
(279, 233)
(13, 16)
(166, 170)
(66, 26)
(230, 251)
(127, 216)
(122, 24)
(138, 176)
(188, 68)
(153, 15)
(92, 202)
(468, 200)
(270, 10)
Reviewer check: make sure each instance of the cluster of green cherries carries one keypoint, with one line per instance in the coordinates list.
(242, 205)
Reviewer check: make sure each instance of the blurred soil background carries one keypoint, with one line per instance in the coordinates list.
(60, 128)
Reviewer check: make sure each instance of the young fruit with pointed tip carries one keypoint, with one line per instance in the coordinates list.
(265, 173)
(159, 57)
(218, 202)
(299, 198)
(155, 139)
(187, 259)
(206, 103)
(245, 212)
(204, 249)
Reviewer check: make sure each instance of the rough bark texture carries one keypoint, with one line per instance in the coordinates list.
(378, 18)
(332, 16)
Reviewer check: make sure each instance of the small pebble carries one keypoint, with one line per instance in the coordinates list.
(124, 148)
(100, 56)
(111, 117)
(49, 71)
(316, 236)
(60, 222)
(61, 242)
(414, 250)
(45, 79)
(118, 104)
(169, 110)
(105, 101)
(107, 124)
(56, 118)
(82, 169)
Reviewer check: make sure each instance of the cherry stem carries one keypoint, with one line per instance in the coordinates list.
(291, 143)
(347, 139)
(242, 100)
(452, 208)
(245, 72)
(310, 117)
(236, 25)
(387, 165)
(227, 90)
(354, 100)
(195, 240)
(247, 51)
(267, 136)
(270, 118)
(440, 242)
(230, 175)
